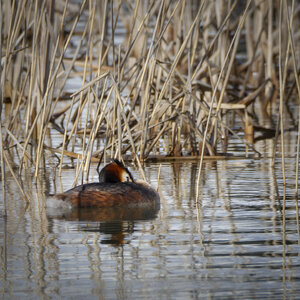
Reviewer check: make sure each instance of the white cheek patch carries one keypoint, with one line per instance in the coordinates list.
(125, 177)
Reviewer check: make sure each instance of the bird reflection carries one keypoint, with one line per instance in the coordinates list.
(115, 223)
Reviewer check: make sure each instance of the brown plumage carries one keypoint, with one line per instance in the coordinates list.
(117, 188)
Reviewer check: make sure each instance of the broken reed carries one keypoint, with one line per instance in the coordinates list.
(153, 77)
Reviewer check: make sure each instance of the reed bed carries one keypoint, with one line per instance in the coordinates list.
(150, 79)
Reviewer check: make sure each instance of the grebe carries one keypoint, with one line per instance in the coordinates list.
(116, 187)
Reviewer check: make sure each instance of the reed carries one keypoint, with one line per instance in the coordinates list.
(152, 79)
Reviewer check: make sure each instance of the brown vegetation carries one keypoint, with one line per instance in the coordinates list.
(152, 78)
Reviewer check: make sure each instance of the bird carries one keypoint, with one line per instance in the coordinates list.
(116, 187)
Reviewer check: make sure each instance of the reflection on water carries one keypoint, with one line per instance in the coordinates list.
(108, 214)
(241, 240)
(113, 222)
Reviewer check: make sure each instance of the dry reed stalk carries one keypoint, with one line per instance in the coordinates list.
(46, 108)
(65, 138)
(158, 178)
(118, 115)
(269, 62)
(292, 43)
(89, 84)
(1, 137)
(103, 31)
(165, 95)
(172, 68)
(28, 156)
(73, 96)
(282, 81)
(31, 111)
(2, 162)
(144, 121)
(15, 178)
(14, 121)
(210, 46)
(128, 129)
(49, 83)
(70, 154)
(135, 32)
(237, 33)
(213, 41)
(176, 59)
(234, 46)
(92, 136)
(84, 98)
(165, 126)
(87, 152)
(95, 128)
(146, 98)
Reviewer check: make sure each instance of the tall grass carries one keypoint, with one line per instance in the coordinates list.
(153, 79)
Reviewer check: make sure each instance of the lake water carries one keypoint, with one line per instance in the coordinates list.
(240, 240)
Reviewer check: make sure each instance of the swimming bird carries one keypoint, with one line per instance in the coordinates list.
(116, 187)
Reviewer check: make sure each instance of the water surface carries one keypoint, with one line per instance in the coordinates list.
(240, 240)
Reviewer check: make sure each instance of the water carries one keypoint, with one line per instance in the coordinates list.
(236, 242)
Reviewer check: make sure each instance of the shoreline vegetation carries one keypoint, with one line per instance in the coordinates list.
(154, 80)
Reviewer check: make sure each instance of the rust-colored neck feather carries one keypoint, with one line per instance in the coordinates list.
(115, 172)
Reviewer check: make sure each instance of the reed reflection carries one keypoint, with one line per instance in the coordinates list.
(239, 233)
